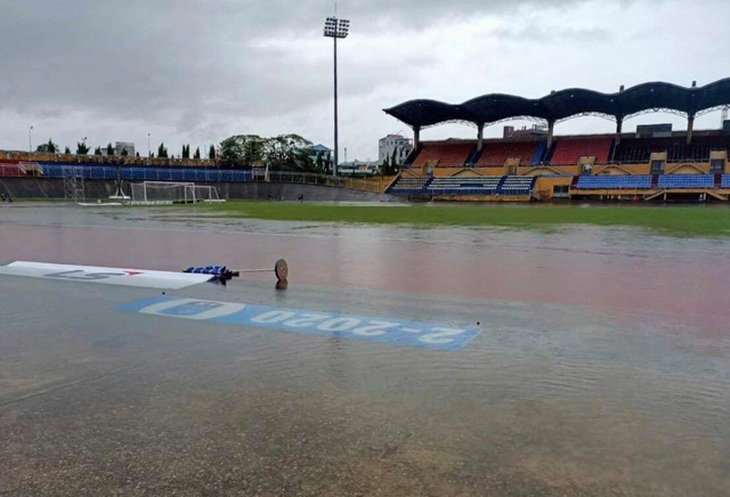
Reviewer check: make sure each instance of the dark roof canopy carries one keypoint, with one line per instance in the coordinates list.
(563, 104)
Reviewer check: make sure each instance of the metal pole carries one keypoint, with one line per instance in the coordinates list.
(30, 142)
(334, 165)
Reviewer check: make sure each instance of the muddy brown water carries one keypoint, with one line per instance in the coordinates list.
(602, 367)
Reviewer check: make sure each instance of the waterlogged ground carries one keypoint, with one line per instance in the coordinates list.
(602, 366)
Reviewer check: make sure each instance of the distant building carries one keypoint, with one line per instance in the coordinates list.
(119, 147)
(654, 130)
(358, 168)
(402, 145)
(535, 130)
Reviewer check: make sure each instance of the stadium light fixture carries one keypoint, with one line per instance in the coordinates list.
(336, 29)
(30, 140)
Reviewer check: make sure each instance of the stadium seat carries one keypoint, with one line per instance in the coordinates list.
(409, 185)
(129, 173)
(611, 182)
(678, 181)
(517, 185)
(10, 170)
(445, 154)
(569, 151)
(496, 153)
(639, 150)
(455, 185)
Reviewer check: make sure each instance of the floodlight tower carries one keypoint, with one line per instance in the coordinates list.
(336, 28)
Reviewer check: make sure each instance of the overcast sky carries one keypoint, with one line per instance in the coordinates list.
(194, 71)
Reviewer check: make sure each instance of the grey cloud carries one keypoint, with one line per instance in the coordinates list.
(204, 67)
(140, 57)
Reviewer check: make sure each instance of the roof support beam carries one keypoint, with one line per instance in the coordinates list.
(619, 128)
(690, 128)
(480, 136)
(550, 133)
(416, 137)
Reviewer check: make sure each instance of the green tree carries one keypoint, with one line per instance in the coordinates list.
(67, 151)
(197, 153)
(162, 151)
(394, 157)
(319, 163)
(81, 148)
(255, 150)
(385, 167)
(125, 153)
(211, 152)
(97, 151)
(47, 148)
(243, 150)
(289, 153)
(109, 150)
(232, 150)
(186, 151)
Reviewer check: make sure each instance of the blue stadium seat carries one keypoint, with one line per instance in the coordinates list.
(455, 185)
(517, 185)
(612, 182)
(678, 181)
(409, 185)
(143, 173)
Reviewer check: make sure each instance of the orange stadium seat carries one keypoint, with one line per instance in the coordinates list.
(10, 170)
(496, 153)
(568, 151)
(444, 154)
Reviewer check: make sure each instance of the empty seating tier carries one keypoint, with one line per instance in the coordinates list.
(409, 185)
(614, 182)
(569, 151)
(497, 153)
(725, 183)
(464, 186)
(10, 170)
(639, 150)
(517, 185)
(678, 181)
(444, 154)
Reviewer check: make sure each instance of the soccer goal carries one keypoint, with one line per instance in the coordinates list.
(169, 192)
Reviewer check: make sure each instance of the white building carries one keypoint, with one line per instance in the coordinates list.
(120, 146)
(400, 143)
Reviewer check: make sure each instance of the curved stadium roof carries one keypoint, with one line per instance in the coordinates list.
(568, 103)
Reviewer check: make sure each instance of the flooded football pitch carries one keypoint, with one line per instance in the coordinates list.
(599, 365)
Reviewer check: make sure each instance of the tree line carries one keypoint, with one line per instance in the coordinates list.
(82, 149)
(288, 152)
(279, 153)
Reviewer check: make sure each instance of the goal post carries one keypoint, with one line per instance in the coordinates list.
(202, 193)
(169, 192)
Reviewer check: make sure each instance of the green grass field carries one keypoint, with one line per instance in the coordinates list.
(674, 220)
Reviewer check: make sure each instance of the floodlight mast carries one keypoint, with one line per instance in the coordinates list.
(336, 28)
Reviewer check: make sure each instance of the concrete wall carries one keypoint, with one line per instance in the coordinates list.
(19, 188)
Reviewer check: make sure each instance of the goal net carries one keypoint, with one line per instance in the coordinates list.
(168, 192)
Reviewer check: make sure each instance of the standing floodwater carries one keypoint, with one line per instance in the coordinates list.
(602, 365)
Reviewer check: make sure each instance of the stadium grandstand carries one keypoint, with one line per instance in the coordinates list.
(526, 165)
(653, 162)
